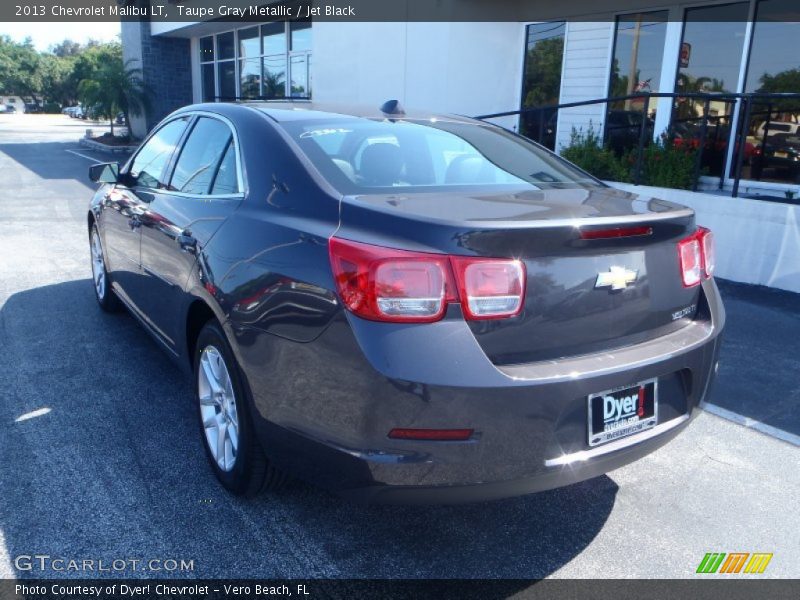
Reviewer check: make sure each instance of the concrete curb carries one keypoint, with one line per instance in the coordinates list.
(87, 143)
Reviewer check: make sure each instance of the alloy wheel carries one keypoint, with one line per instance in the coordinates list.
(98, 266)
(218, 408)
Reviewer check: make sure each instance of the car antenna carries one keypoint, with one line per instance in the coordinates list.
(392, 107)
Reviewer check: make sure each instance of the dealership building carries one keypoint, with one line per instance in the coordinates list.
(568, 55)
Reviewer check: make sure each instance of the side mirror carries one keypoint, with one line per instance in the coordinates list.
(104, 173)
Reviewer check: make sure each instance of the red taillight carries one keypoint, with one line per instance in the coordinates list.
(489, 288)
(697, 257)
(384, 284)
(432, 435)
(615, 232)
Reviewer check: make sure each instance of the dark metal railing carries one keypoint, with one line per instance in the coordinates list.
(746, 103)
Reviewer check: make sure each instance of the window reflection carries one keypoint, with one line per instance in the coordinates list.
(773, 132)
(709, 62)
(542, 84)
(636, 67)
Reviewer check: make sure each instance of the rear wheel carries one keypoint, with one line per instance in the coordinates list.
(228, 436)
(106, 298)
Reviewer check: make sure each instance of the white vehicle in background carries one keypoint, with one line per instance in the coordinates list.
(777, 128)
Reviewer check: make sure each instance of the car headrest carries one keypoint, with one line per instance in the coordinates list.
(468, 169)
(381, 164)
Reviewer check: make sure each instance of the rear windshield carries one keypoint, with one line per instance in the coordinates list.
(360, 156)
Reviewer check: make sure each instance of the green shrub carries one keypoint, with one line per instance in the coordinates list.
(663, 163)
(667, 165)
(586, 151)
(51, 108)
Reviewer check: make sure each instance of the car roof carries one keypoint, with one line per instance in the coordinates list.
(308, 111)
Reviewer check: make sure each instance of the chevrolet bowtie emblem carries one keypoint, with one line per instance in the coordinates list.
(617, 278)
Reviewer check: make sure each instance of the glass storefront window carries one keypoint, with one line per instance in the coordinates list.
(261, 55)
(299, 74)
(225, 47)
(301, 35)
(249, 42)
(772, 151)
(250, 78)
(541, 85)
(275, 76)
(709, 62)
(207, 76)
(226, 75)
(207, 49)
(636, 67)
(274, 38)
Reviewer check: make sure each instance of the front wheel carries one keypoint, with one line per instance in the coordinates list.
(106, 298)
(228, 436)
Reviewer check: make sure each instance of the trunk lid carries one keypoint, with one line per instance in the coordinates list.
(582, 295)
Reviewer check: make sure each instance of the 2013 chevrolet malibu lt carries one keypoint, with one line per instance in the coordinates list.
(405, 307)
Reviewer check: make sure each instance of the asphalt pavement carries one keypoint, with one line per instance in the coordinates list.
(101, 459)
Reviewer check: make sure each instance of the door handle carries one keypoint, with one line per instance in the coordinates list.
(187, 242)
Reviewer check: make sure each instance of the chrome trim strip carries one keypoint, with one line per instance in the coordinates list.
(678, 342)
(583, 455)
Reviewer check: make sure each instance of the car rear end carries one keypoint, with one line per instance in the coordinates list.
(496, 340)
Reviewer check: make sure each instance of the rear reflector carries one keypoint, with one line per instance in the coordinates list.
(432, 435)
(709, 250)
(489, 288)
(697, 256)
(384, 284)
(616, 232)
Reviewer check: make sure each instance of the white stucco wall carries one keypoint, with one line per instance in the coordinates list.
(585, 75)
(757, 241)
(466, 68)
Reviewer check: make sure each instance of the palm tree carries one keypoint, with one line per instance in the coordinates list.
(117, 87)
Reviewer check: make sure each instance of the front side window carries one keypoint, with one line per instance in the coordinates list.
(201, 157)
(147, 168)
(364, 155)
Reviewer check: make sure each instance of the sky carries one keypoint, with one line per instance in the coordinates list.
(45, 35)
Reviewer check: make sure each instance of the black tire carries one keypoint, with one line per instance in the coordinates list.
(106, 298)
(251, 472)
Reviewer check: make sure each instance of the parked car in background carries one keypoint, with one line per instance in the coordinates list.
(781, 152)
(405, 307)
(774, 128)
(32, 108)
(10, 108)
(120, 119)
(623, 129)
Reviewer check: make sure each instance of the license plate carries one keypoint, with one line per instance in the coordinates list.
(622, 411)
(781, 155)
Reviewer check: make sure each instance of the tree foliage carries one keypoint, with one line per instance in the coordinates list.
(111, 85)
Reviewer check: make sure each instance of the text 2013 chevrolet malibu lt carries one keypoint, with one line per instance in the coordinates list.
(405, 308)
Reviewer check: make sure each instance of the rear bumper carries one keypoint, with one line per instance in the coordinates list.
(324, 408)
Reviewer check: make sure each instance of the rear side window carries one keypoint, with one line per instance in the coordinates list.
(147, 168)
(226, 180)
(202, 156)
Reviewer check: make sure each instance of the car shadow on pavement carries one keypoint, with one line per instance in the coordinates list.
(50, 160)
(102, 459)
(758, 373)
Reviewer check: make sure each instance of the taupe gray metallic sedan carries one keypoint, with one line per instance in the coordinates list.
(405, 307)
